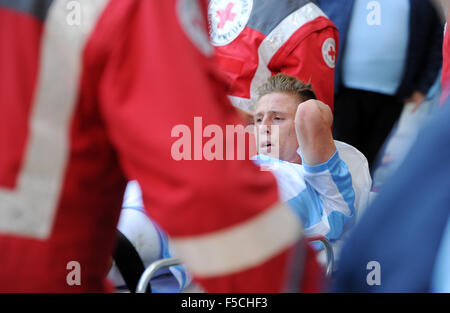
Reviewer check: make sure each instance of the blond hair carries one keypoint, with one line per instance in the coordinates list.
(287, 84)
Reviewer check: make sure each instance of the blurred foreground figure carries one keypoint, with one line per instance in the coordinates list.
(91, 92)
(445, 80)
(256, 39)
(403, 231)
(402, 243)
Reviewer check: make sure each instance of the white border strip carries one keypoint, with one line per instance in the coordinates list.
(241, 247)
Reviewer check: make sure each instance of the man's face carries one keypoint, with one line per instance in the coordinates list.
(277, 109)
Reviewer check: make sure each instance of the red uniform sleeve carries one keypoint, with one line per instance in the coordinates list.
(313, 59)
(445, 78)
(224, 216)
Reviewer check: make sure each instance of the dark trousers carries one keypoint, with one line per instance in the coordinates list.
(364, 119)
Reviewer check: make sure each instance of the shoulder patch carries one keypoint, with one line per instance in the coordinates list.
(228, 19)
(329, 52)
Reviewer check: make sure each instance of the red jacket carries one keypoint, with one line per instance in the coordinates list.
(445, 79)
(89, 102)
(256, 39)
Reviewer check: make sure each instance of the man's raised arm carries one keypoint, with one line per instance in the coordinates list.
(313, 123)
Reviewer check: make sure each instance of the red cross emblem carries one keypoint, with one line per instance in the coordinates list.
(226, 15)
(332, 53)
(329, 52)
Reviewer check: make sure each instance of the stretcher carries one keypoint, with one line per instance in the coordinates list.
(150, 271)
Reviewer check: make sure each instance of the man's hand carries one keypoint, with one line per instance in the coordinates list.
(313, 122)
(417, 98)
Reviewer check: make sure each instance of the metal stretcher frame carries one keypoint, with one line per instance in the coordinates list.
(329, 251)
(152, 269)
(157, 265)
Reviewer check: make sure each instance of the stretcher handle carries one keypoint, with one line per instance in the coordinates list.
(329, 251)
(157, 265)
(152, 269)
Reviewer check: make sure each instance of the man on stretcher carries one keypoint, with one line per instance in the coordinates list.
(325, 182)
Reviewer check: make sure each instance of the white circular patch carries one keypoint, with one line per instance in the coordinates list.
(329, 52)
(193, 24)
(227, 19)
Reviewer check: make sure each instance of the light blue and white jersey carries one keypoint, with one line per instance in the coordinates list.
(150, 242)
(326, 197)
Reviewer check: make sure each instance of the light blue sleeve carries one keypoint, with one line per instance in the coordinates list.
(322, 196)
(331, 182)
(294, 190)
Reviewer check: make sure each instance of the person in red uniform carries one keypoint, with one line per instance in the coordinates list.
(445, 78)
(257, 39)
(90, 92)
